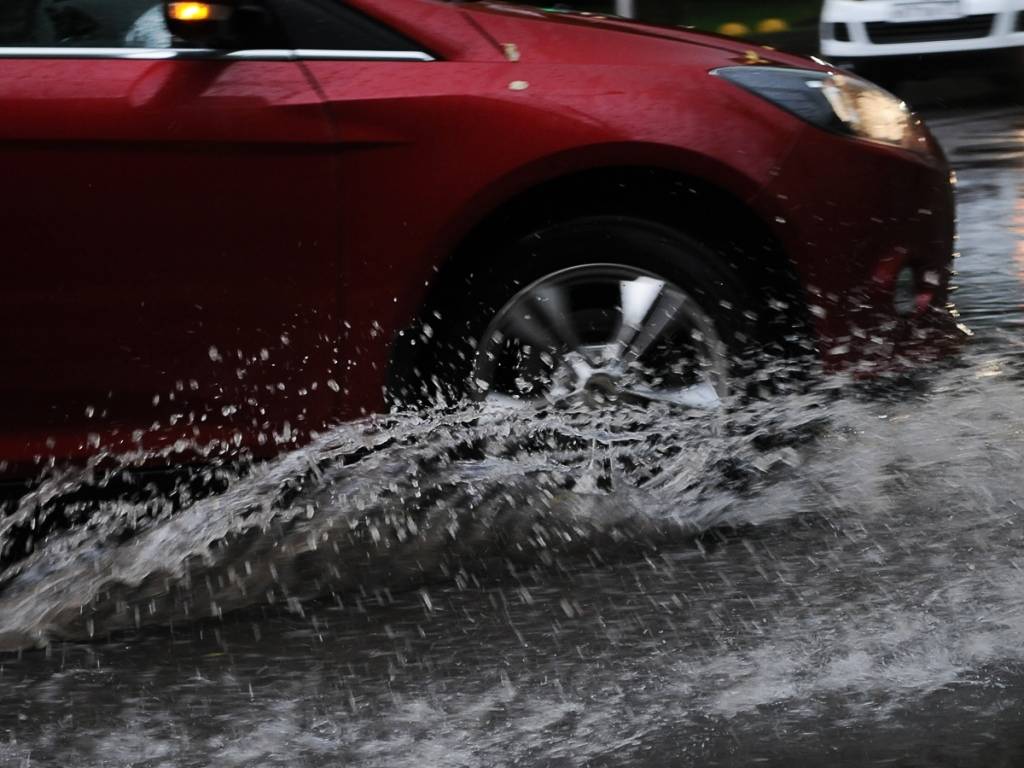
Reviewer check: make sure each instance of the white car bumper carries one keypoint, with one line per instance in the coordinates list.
(861, 29)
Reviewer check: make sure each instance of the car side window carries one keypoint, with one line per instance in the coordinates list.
(317, 28)
(328, 25)
(83, 24)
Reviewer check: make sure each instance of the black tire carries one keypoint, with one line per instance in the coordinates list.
(595, 310)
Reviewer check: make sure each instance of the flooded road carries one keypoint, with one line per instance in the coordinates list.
(833, 578)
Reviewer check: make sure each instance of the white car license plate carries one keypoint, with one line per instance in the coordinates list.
(926, 10)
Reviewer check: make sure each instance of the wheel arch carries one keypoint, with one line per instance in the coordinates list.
(712, 216)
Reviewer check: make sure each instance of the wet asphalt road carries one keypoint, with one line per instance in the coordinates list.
(857, 600)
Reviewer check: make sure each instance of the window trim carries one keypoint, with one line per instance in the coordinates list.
(313, 54)
(273, 54)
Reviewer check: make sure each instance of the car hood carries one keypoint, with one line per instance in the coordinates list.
(538, 36)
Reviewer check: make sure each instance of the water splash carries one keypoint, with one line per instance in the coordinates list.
(867, 565)
(397, 501)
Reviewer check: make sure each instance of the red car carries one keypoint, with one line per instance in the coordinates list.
(228, 225)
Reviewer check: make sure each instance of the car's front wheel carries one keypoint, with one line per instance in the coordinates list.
(598, 311)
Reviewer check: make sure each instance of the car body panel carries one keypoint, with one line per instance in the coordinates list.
(167, 222)
(868, 216)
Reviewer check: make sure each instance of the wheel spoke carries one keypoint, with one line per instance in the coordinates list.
(527, 327)
(553, 303)
(543, 319)
(637, 297)
(648, 307)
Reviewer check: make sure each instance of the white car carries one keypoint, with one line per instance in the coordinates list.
(913, 34)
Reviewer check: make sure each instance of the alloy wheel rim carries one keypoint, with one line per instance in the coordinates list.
(601, 334)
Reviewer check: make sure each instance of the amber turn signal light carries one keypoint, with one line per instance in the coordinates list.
(196, 12)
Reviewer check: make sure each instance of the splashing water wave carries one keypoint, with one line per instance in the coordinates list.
(402, 500)
(393, 502)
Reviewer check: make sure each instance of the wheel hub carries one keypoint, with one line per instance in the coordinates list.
(600, 389)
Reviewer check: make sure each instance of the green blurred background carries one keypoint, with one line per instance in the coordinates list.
(800, 16)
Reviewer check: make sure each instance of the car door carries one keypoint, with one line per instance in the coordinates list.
(426, 120)
(169, 263)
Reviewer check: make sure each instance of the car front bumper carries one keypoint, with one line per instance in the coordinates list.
(853, 215)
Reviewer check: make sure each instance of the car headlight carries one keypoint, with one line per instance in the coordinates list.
(835, 102)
